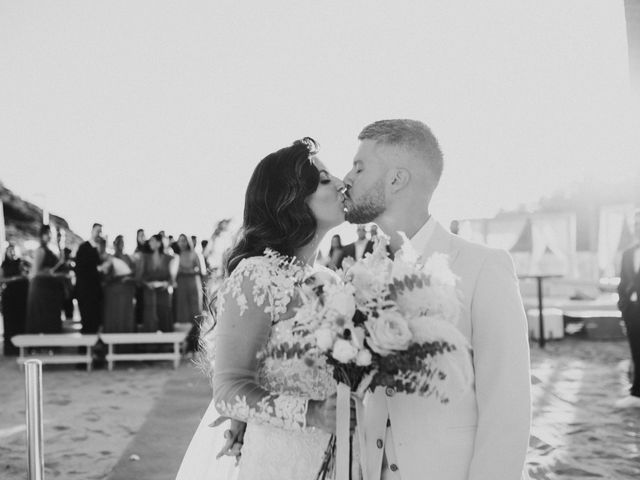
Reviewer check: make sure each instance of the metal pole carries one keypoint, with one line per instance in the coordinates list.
(33, 384)
(541, 339)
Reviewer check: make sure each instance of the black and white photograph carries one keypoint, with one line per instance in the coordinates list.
(320, 240)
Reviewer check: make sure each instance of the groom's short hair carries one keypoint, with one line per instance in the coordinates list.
(411, 134)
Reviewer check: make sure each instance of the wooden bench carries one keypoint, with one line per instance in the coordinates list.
(111, 339)
(46, 340)
(599, 324)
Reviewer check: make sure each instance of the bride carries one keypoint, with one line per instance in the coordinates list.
(288, 404)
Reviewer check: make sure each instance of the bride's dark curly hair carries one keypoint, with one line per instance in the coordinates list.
(276, 214)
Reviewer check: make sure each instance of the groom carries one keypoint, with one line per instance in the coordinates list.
(483, 435)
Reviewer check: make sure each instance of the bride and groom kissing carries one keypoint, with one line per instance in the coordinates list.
(289, 410)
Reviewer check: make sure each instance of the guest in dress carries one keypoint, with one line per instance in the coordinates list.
(14, 283)
(67, 268)
(173, 245)
(119, 291)
(357, 249)
(88, 282)
(154, 274)
(335, 253)
(46, 294)
(142, 247)
(188, 293)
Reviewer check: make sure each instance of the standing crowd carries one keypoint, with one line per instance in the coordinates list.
(160, 285)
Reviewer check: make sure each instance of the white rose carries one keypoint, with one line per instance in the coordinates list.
(343, 303)
(363, 279)
(324, 338)
(343, 351)
(364, 358)
(389, 332)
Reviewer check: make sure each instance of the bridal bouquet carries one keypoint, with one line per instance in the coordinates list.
(387, 322)
(409, 311)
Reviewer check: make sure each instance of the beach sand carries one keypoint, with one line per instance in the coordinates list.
(91, 419)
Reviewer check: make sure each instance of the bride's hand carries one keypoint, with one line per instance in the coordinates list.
(234, 436)
(322, 414)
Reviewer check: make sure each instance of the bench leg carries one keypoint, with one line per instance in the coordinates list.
(176, 352)
(21, 357)
(110, 354)
(89, 356)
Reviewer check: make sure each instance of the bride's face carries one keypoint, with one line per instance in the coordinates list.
(326, 202)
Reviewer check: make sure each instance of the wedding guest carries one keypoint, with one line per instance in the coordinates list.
(173, 245)
(454, 227)
(154, 273)
(357, 249)
(142, 247)
(335, 253)
(88, 282)
(194, 242)
(67, 283)
(373, 232)
(188, 294)
(119, 291)
(629, 304)
(166, 244)
(46, 296)
(15, 288)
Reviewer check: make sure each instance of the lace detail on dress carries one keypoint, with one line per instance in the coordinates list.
(282, 411)
(248, 385)
(274, 279)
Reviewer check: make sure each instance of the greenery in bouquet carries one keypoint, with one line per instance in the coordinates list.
(408, 311)
(328, 319)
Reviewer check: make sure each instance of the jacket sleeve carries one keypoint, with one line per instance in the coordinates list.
(625, 282)
(243, 329)
(502, 374)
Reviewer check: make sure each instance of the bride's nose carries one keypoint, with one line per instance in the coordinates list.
(339, 184)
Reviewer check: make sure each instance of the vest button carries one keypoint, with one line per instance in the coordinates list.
(390, 391)
(379, 443)
(393, 467)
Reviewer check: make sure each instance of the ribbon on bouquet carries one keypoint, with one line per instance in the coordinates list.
(343, 434)
(343, 421)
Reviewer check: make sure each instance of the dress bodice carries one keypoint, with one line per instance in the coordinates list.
(152, 271)
(188, 263)
(256, 308)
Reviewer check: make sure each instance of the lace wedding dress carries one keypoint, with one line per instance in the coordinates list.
(269, 392)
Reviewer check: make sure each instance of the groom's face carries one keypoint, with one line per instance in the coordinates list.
(365, 198)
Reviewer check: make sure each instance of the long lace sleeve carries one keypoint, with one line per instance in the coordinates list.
(251, 300)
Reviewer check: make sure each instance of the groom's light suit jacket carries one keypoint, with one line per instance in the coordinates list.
(483, 435)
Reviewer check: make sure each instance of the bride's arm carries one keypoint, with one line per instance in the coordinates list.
(243, 329)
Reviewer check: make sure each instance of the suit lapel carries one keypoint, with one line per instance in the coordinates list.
(440, 242)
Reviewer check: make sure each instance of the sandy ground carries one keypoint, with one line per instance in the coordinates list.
(577, 433)
(91, 418)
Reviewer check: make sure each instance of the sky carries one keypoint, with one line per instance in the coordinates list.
(153, 113)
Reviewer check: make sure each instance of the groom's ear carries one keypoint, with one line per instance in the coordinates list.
(399, 179)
